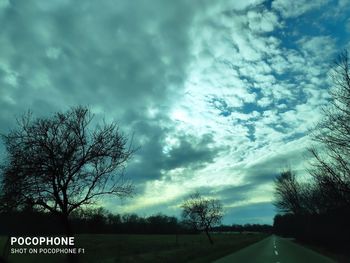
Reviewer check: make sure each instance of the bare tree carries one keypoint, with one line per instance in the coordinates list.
(331, 163)
(298, 198)
(288, 196)
(202, 213)
(60, 164)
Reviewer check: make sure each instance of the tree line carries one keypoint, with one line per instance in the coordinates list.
(316, 208)
(93, 221)
(102, 221)
(263, 228)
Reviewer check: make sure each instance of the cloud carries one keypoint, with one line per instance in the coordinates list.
(190, 151)
(296, 8)
(313, 46)
(61, 51)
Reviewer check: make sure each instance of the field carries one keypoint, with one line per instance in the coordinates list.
(148, 248)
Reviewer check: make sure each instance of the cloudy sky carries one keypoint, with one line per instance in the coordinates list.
(220, 95)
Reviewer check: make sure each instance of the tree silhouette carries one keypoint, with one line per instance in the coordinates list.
(319, 210)
(60, 164)
(202, 213)
(288, 193)
(331, 164)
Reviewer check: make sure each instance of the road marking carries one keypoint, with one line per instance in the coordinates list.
(276, 253)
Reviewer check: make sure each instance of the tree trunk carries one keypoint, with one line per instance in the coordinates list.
(71, 258)
(209, 237)
(67, 226)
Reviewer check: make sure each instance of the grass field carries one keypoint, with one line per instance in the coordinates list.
(148, 248)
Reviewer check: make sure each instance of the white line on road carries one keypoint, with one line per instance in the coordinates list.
(276, 253)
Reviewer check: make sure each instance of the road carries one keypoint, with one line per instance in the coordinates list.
(275, 249)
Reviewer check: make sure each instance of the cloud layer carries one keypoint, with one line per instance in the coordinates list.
(220, 95)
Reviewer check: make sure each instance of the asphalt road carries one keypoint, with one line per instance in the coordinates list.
(275, 250)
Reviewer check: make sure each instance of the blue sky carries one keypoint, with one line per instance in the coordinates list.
(220, 95)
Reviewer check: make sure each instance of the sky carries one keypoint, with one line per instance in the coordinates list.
(220, 95)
